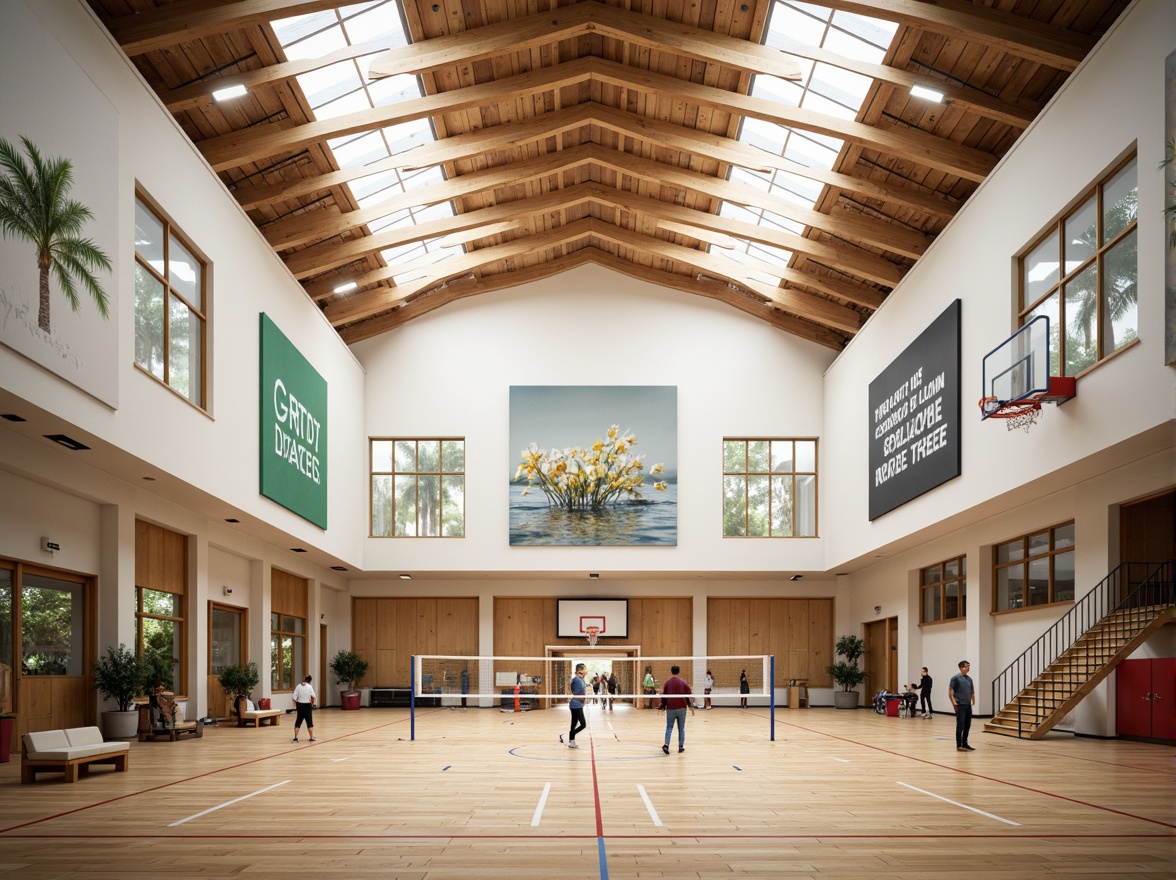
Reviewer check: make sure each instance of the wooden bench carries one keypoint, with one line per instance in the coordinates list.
(69, 751)
(248, 714)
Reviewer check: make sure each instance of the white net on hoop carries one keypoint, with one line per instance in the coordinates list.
(592, 633)
(1025, 419)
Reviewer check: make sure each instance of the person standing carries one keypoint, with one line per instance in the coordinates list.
(612, 689)
(649, 687)
(465, 685)
(925, 694)
(962, 694)
(710, 683)
(576, 704)
(304, 706)
(675, 694)
(744, 689)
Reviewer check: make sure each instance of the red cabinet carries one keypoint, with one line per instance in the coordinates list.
(1146, 703)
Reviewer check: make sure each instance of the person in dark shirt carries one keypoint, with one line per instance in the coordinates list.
(675, 694)
(962, 694)
(925, 694)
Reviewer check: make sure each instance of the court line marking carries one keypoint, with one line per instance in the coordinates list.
(539, 808)
(649, 806)
(229, 803)
(964, 806)
(601, 852)
(842, 760)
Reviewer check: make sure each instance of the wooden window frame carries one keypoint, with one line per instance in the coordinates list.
(170, 230)
(794, 473)
(276, 637)
(181, 674)
(1051, 553)
(961, 579)
(441, 473)
(1027, 310)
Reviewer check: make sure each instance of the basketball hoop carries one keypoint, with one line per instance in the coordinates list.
(593, 633)
(1021, 414)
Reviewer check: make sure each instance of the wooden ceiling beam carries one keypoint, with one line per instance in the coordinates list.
(585, 18)
(150, 29)
(1037, 41)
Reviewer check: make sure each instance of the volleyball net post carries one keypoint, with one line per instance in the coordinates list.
(513, 684)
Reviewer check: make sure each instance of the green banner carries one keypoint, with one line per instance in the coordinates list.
(293, 428)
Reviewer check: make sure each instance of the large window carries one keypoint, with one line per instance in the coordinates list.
(418, 488)
(944, 591)
(770, 488)
(1082, 273)
(287, 651)
(1036, 569)
(169, 306)
(159, 630)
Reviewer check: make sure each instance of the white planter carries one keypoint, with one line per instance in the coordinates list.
(120, 725)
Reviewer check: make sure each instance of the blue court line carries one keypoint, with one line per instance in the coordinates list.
(603, 860)
(446, 767)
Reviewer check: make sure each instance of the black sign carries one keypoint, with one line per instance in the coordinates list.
(915, 417)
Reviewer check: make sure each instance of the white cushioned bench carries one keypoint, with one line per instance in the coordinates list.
(70, 751)
(247, 714)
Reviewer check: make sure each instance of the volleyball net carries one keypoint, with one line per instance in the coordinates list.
(523, 683)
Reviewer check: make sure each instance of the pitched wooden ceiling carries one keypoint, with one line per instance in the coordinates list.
(605, 131)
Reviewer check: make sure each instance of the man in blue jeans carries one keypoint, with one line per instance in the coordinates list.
(576, 704)
(675, 699)
(962, 694)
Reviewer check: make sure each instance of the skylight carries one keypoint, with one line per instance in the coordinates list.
(343, 88)
(823, 88)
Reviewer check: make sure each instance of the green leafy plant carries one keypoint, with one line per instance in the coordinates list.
(847, 673)
(119, 675)
(349, 669)
(34, 207)
(239, 680)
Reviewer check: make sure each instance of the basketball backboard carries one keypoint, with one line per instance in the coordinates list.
(1015, 376)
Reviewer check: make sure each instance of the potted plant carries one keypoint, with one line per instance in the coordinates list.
(239, 680)
(349, 669)
(119, 675)
(847, 673)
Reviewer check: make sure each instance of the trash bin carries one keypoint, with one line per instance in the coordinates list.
(892, 704)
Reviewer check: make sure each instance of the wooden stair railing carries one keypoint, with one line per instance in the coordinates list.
(1104, 627)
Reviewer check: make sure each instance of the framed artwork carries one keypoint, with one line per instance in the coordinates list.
(594, 465)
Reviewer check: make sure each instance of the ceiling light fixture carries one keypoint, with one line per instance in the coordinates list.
(796, 577)
(338, 568)
(229, 92)
(11, 417)
(927, 94)
(593, 577)
(297, 549)
(347, 287)
(406, 577)
(230, 519)
(67, 442)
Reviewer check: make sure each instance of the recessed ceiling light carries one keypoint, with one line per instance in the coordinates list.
(229, 92)
(229, 519)
(67, 442)
(338, 568)
(346, 287)
(796, 577)
(11, 417)
(593, 577)
(149, 479)
(406, 577)
(297, 550)
(927, 94)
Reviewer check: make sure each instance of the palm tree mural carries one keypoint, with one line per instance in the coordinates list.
(34, 206)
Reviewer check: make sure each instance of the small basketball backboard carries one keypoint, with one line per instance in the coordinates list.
(1015, 376)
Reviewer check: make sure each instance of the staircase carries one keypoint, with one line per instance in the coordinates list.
(1105, 626)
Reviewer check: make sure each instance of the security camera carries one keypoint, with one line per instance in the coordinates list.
(228, 591)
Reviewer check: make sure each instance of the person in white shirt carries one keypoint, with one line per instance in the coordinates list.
(304, 705)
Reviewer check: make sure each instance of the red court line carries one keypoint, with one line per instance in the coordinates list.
(123, 797)
(596, 789)
(671, 837)
(975, 775)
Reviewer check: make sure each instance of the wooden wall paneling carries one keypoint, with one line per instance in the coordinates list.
(289, 594)
(759, 626)
(424, 632)
(161, 558)
(821, 642)
(719, 612)
(457, 619)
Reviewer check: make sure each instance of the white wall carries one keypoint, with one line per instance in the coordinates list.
(217, 452)
(1114, 101)
(449, 374)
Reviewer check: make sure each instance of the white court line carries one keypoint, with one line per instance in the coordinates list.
(964, 806)
(539, 808)
(842, 760)
(228, 803)
(649, 806)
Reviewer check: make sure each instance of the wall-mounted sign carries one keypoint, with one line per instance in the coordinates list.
(293, 428)
(915, 417)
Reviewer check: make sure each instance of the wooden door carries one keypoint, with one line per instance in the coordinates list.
(1163, 701)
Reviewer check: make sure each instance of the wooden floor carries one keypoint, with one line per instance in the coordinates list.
(486, 794)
